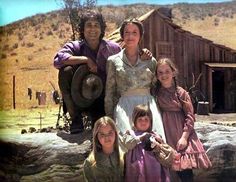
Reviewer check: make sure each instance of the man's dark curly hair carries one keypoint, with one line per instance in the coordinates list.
(91, 15)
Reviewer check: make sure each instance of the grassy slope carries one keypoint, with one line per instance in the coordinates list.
(224, 33)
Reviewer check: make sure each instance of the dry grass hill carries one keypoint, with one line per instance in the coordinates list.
(27, 47)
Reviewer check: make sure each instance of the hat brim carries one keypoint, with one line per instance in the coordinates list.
(80, 100)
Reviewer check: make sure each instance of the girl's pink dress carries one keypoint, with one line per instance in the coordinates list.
(178, 116)
(142, 166)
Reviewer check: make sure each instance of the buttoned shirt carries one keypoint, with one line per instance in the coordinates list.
(122, 77)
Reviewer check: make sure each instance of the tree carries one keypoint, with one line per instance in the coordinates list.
(73, 9)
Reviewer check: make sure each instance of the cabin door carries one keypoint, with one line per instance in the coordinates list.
(218, 91)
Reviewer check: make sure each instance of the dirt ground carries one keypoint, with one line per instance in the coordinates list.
(223, 119)
(13, 121)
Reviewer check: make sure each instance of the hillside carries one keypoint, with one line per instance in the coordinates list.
(27, 47)
(214, 21)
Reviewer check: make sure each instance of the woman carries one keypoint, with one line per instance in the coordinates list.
(105, 162)
(129, 80)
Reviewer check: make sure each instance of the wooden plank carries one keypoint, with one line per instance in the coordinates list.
(210, 94)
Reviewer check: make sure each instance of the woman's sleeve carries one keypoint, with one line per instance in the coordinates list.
(110, 91)
(188, 112)
(153, 65)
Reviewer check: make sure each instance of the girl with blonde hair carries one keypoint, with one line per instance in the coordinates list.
(105, 162)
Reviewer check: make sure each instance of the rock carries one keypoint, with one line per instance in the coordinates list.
(220, 144)
(23, 131)
(59, 156)
(32, 130)
(44, 156)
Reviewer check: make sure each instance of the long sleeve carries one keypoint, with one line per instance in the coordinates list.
(110, 91)
(68, 50)
(129, 140)
(88, 172)
(188, 112)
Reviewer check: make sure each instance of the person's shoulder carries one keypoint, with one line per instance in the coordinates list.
(116, 57)
(111, 43)
(89, 161)
(153, 60)
(75, 43)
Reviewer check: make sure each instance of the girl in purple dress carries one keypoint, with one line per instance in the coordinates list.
(178, 120)
(141, 164)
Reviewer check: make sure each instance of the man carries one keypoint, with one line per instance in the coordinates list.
(91, 50)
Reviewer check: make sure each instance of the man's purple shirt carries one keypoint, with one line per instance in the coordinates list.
(81, 48)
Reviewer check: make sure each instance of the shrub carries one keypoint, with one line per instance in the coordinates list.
(49, 33)
(6, 47)
(37, 28)
(30, 57)
(54, 26)
(3, 56)
(13, 54)
(216, 21)
(23, 44)
(15, 46)
(20, 36)
(30, 44)
(61, 35)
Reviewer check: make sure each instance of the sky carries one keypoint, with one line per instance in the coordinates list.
(13, 10)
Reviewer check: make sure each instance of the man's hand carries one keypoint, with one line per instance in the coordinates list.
(145, 54)
(91, 65)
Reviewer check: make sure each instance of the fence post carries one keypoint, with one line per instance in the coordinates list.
(14, 92)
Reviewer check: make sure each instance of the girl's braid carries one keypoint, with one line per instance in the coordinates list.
(177, 92)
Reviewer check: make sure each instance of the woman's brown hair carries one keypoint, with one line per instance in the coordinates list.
(133, 21)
